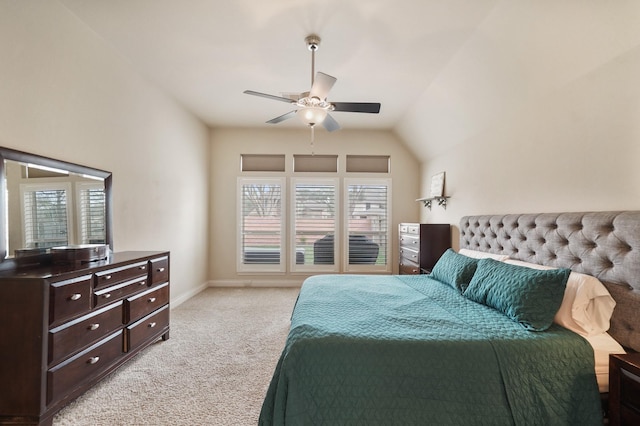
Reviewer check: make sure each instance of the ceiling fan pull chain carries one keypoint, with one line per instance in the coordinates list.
(312, 139)
(313, 65)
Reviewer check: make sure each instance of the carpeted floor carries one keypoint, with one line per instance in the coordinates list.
(214, 369)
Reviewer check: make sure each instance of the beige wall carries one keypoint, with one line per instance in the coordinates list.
(65, 94)
(541, 120)
(228, 144)
(575, 150)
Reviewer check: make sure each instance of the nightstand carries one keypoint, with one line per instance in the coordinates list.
(624, 389)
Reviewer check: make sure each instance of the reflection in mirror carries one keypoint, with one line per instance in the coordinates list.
(49, 208)
(50, 203)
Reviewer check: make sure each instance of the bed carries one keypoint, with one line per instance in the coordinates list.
(457, 347)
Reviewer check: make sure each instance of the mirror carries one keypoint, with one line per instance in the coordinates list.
(49, 203)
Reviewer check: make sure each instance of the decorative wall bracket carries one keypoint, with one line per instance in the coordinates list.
(428, 202)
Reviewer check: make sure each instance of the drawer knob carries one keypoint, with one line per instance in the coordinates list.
(75, 296)
(152, 324)
(93, 359)
(94, 326)
(160, 269)
(143, 282)
(106, 295)
(143, 267)
(107, 277)
(152, 299)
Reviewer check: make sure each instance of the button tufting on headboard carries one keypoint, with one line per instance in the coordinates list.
(603, 244)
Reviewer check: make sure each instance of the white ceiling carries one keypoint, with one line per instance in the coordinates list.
(205, 53)
(443, 70)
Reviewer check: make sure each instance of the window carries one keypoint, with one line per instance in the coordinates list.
(318, 232)
(45, 211)
(261, 235)
(91, 213)
(367, 224)
(314, 224)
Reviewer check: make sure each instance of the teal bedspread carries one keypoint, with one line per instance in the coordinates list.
(409, 350)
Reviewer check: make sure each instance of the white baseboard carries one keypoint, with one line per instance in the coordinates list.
(186, 296)
(257, 283)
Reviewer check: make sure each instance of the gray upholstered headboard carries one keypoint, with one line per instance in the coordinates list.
(603, 244)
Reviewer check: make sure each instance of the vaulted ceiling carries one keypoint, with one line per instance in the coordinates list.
(442, 69)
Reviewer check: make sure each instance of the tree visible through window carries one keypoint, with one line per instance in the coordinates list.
(368, 223)
(315, 221)
(261, 227)
(45, 218)
(321, 234)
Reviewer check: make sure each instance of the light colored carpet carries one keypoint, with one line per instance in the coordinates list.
(214, 370)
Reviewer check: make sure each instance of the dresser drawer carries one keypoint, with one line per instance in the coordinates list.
(144, 303)
(108, 295)
(69, 299)
(159, 270)
(409, 254)
(146, 329)
(408, 268)
(410, 228)
(629, 416)
(114, 276)
(75, 335)
(411, 241)
(70, 374)
(629, 397)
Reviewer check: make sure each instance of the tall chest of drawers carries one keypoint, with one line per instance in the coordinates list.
(421, 245)
(65, 327)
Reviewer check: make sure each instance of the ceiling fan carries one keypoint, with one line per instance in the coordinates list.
(312, 107)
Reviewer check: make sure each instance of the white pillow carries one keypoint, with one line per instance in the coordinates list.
(587, 306)
(483, 255)
(593, 305)
(528, 265)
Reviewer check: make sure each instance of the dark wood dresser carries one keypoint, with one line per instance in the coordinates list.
(624, 389)
(421, 245)
(65, 327)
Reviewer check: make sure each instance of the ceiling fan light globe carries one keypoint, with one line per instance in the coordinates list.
(312, 115)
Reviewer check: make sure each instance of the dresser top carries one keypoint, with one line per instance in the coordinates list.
(52, 270)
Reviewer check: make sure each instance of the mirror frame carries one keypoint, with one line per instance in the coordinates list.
(24, 157)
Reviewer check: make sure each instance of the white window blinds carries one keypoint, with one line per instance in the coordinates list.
(261, 230)
(314, 226)
(92, 214)
(45, 213)
(367, 223)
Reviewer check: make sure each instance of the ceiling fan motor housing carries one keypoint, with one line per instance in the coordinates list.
(313, 41)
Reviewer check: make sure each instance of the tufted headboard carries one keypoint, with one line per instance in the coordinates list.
(603, 244)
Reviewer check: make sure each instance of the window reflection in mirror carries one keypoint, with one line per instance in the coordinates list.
(50, 203)
(50, 208)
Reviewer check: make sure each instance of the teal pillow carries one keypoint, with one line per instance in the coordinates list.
(528, 296)
(454, 269)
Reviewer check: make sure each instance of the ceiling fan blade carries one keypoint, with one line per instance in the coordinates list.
(274, 97)
(282, 117)
(369, 107)
(294, 96)
(321, 85)
(330, 123)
